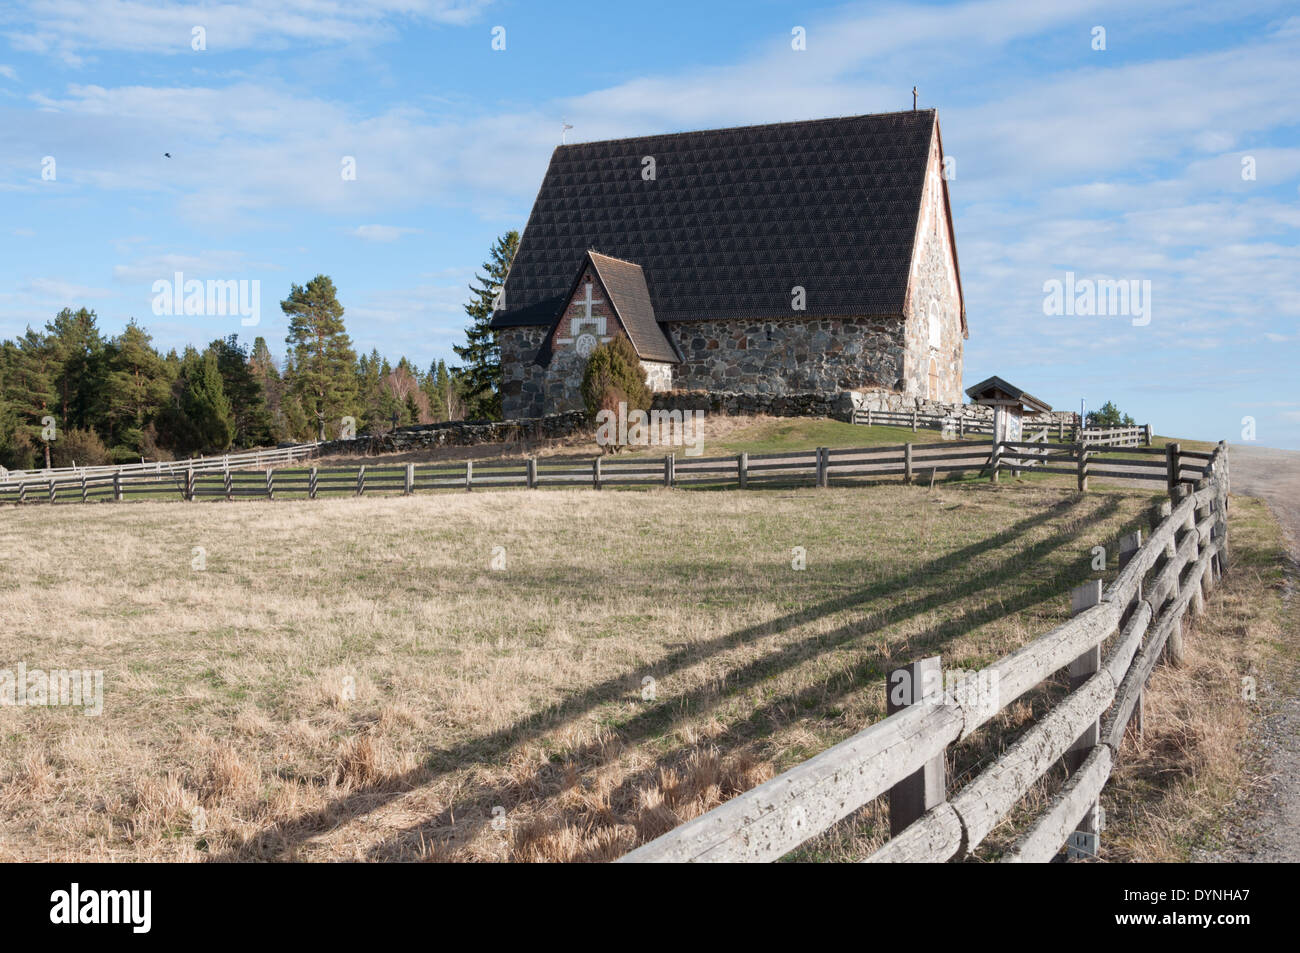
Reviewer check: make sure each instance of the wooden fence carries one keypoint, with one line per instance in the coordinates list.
(820, 467)
(1138, 618)
(249, 460)
(959, 426)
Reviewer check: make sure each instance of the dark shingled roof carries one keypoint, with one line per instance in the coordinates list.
(734, 218)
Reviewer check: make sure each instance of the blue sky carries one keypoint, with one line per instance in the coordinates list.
(1121, 163)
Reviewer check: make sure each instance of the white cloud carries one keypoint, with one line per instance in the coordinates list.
(69, 28)
(58, 290)
(383, 233)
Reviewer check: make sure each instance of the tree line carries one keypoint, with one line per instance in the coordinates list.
(70, 394)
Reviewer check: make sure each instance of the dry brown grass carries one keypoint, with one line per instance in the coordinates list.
(349, 680)
(1168, 797)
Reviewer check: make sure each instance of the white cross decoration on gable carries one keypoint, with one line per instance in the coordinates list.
(586, 341)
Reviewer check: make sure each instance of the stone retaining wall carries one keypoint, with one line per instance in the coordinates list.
(461, 433)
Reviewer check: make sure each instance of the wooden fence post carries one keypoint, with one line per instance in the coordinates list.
(1083, 466)
(409, 487)
(742, 470)
(868, 416)
(914, 421)
(823, 467)
(961, 427)
(995, 460)
(595, 473)
(920, 683)
(1081, 669)
(469, 475)
(531, 473)
(1174, 644)
(1146, 430)
(270, 483)
(670, 470)
(117, 487)
(907, 463)
(1172, 465)
(1128, 547)
(1197, 605)
(311, 484)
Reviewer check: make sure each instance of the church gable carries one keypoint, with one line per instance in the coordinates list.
(588, 318)
(935, 312)
(608, 298)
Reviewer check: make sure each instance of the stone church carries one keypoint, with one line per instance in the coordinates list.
(801, 258)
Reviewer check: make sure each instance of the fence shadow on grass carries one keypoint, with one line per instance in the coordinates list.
(283, 837)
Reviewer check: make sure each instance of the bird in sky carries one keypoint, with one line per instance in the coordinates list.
(167, 155)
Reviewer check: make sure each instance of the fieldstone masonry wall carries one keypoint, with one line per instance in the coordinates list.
(523, 381)
(906, 404)
(787, 356)
(460, 433)
(934, 338)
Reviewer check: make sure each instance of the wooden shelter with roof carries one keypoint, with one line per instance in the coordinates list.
(1009, 404)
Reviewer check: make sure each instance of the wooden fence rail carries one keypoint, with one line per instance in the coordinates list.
(821, 467)
(1141, 614)
(959, 425)
(252, 459)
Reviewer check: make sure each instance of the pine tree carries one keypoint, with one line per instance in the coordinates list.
(323, 360)
(78, 352)
(481, 372)
(136, 387)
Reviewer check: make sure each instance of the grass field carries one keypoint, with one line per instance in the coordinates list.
(351, 679)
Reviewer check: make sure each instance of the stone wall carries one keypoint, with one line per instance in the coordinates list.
(907, 403)
(789, 356)
(838, 406)
(736, 405)
(460, 433)
(523, 381)
(658, 375)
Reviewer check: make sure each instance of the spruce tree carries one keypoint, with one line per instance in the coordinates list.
(244, 391)
(30, 389)
(481, 371)
(204, 403)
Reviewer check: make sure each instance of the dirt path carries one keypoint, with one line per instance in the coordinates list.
(1269, 830)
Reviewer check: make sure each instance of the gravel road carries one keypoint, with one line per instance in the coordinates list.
(1269, 830)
